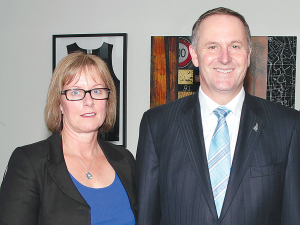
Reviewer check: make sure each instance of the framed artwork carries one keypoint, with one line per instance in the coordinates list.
(112, 48)
(271, 75)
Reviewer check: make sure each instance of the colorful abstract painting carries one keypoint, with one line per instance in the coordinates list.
(271, 74)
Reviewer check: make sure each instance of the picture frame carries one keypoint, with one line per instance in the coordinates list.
(271, 74)
(112, 48)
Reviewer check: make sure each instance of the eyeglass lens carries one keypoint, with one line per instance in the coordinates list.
(78, 94)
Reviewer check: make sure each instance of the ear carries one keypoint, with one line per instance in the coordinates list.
(249, 57)
(194, 56)
(61, 109)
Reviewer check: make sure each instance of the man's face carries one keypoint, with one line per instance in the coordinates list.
(222, 56)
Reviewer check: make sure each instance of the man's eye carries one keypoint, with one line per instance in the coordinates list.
(212, 47)
(235, 46)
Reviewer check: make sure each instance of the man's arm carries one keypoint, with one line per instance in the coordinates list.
(291, 191)
(147, 169)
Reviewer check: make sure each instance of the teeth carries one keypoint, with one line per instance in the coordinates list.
(89, 114)
(223, 71)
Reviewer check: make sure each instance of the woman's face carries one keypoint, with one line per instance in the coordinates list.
(86, 115)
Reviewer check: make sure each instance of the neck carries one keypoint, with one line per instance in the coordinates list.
(81, 144)
(222, 97)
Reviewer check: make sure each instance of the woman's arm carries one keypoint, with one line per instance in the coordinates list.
(19, 193)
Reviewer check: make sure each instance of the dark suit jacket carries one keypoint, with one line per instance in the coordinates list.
(37, 188)
(173, 178)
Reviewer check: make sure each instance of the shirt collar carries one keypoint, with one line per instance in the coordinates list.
(207, 105)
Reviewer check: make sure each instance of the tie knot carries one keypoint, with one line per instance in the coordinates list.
(221, 112)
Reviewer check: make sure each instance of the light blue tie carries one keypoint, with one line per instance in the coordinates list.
(219, 161)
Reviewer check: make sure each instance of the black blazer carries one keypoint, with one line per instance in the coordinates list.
(37, 188)
(173, 178)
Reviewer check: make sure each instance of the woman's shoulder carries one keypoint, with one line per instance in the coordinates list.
(35, 150)
(115, 151)
(28, 160)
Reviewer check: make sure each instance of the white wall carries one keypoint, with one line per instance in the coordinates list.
(26, 29)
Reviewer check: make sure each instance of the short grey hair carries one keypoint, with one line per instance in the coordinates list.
(219, 11)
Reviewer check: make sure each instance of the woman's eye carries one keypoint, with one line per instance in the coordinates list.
(75, 92)
(97, 91)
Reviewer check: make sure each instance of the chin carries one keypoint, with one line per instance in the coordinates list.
(89, 129)
(224, 87)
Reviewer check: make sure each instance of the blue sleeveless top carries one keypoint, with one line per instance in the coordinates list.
(109, 205)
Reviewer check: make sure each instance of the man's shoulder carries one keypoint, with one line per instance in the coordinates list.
(182, 104)
(270, 108)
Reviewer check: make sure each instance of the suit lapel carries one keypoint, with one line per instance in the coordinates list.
(251, 126)
(191, 125)
(58, 170)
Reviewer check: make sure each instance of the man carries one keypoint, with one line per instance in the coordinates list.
(187, 175)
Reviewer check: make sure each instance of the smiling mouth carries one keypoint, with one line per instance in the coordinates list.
(223, 71)
(89, 114)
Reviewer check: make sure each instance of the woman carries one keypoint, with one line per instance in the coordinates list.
(72, 177)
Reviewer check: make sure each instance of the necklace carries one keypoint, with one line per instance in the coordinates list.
(88, 174)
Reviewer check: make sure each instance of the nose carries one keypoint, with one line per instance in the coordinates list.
(225, 56)
(88, 101)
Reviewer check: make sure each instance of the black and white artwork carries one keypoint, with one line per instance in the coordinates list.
(112, 48)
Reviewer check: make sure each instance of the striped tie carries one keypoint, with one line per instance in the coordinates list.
(219, 161)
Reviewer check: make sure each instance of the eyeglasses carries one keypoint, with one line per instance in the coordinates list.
(79, 94)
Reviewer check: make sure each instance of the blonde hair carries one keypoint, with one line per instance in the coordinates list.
(65, 72)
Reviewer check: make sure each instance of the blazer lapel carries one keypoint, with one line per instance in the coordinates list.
(192, 132)
(122, 167)
(58, 170)
(60, 175)
(251, 126)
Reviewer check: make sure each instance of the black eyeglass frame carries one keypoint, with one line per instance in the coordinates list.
(86, 91)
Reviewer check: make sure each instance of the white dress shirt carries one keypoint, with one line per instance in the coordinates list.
(210, 120)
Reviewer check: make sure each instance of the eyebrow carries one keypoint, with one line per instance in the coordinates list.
(237, 41)
(217, 43)
(94, 86)
(211, 43)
